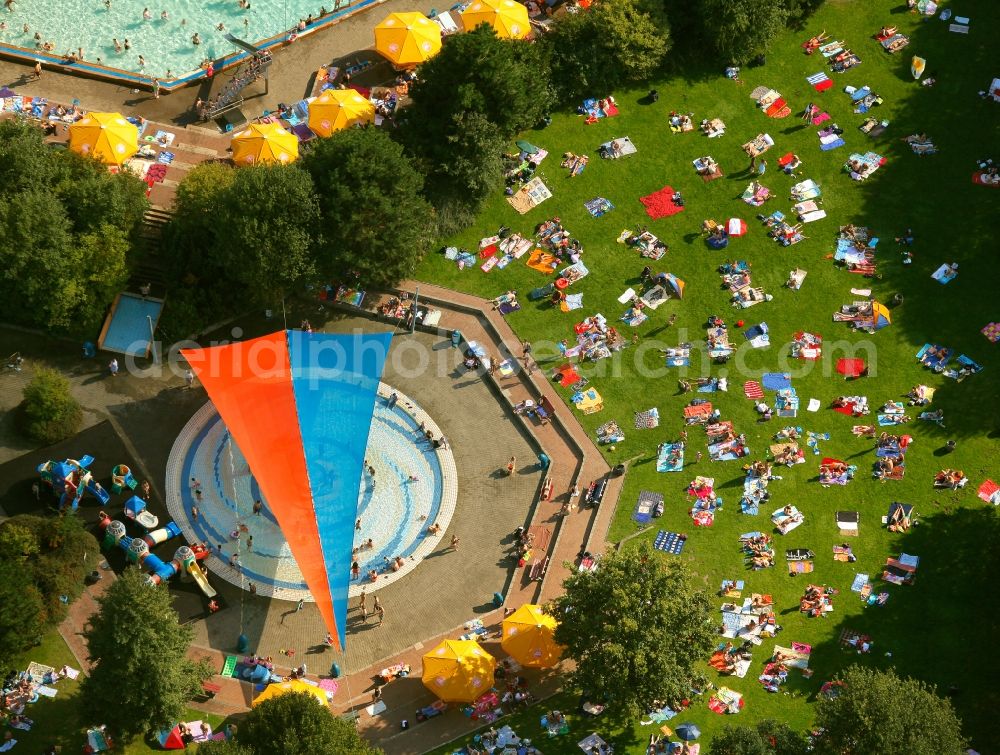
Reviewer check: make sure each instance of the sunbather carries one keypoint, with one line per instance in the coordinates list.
(898, 521)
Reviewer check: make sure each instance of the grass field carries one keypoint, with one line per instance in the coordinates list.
(59, 719)
(932, 628)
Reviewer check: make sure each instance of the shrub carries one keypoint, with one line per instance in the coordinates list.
(49, 412)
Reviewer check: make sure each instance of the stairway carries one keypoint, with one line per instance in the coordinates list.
(149, 266)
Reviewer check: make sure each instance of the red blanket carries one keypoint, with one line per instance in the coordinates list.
(850, 367)
(660, 204)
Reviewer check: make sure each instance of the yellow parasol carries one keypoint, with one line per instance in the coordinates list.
(458, 671)
(528, 637)
(407, 38)
(265, 143)
(283, 688)
(106, 136)
(336, 109)
(508, 18)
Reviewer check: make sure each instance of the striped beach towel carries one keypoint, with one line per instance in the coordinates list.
(753, 389)
(820, 81)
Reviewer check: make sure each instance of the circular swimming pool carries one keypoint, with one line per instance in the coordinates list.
(413, 487)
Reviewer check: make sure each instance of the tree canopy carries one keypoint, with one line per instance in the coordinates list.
(637, 629)
(618, 41)
(41, 559)
(768, 737)
(470, 100)
(374, 224)
(238, 235)
(65, 224)
(879, 712)
(139, 650)
(741, 30)
(296, 724)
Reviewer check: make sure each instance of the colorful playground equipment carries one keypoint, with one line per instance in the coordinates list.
(137, 551)
(121, 478)
(135, 509)
(70, 479)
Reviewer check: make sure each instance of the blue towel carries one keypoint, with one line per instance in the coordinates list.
(669, 542)
(860, 94)
(832, 145)
(776, 381)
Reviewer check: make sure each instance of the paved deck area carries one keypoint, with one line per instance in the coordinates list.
(464, 403)
(290, 74)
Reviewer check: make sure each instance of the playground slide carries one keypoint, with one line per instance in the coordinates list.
(199, 576)
(94, 488)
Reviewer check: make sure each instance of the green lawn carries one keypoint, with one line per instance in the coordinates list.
(59, 719)
(929, 628)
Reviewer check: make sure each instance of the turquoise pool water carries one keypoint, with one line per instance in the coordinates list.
(130, 327)
(164, 44)
(394, 514)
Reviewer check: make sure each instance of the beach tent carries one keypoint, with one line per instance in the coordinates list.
(995, 90)
(880, 316)
(171, 739)
(299, 406)
(676, 284)
(528, 637)
(458, 671)
(265, 143)
(508, 18)
(106, 136)
(736, 227)
(296, 685)
(336, 109)
(407, 38)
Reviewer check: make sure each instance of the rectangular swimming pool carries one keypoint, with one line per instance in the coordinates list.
(131, 325)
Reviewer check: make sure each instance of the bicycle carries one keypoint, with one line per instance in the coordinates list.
(13, 362)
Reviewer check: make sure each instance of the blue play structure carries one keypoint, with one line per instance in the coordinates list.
(135, 509)
(70, 479)
(130, 326)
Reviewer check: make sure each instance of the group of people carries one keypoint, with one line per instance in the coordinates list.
(759, 551)
(815, 600)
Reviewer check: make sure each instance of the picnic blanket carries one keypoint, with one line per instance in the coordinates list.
(598, 206)
(725, 701)
(620, 147)
(660, 204)
(757, 335)
(647, 506)
(543, 262)
(670, 457)
(669, 542)
(530, 195)
(989, 491)
(777, 381)
(648, 419)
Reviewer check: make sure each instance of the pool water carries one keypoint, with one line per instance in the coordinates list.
(165, 44)
(394, 512)
(130, 327)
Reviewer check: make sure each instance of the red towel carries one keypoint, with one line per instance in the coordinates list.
(753, 389)
(611, 110)
(848, 410)
(489, 251)
(775, 106)
(660, 204)
(850, 367)
(823, 85)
